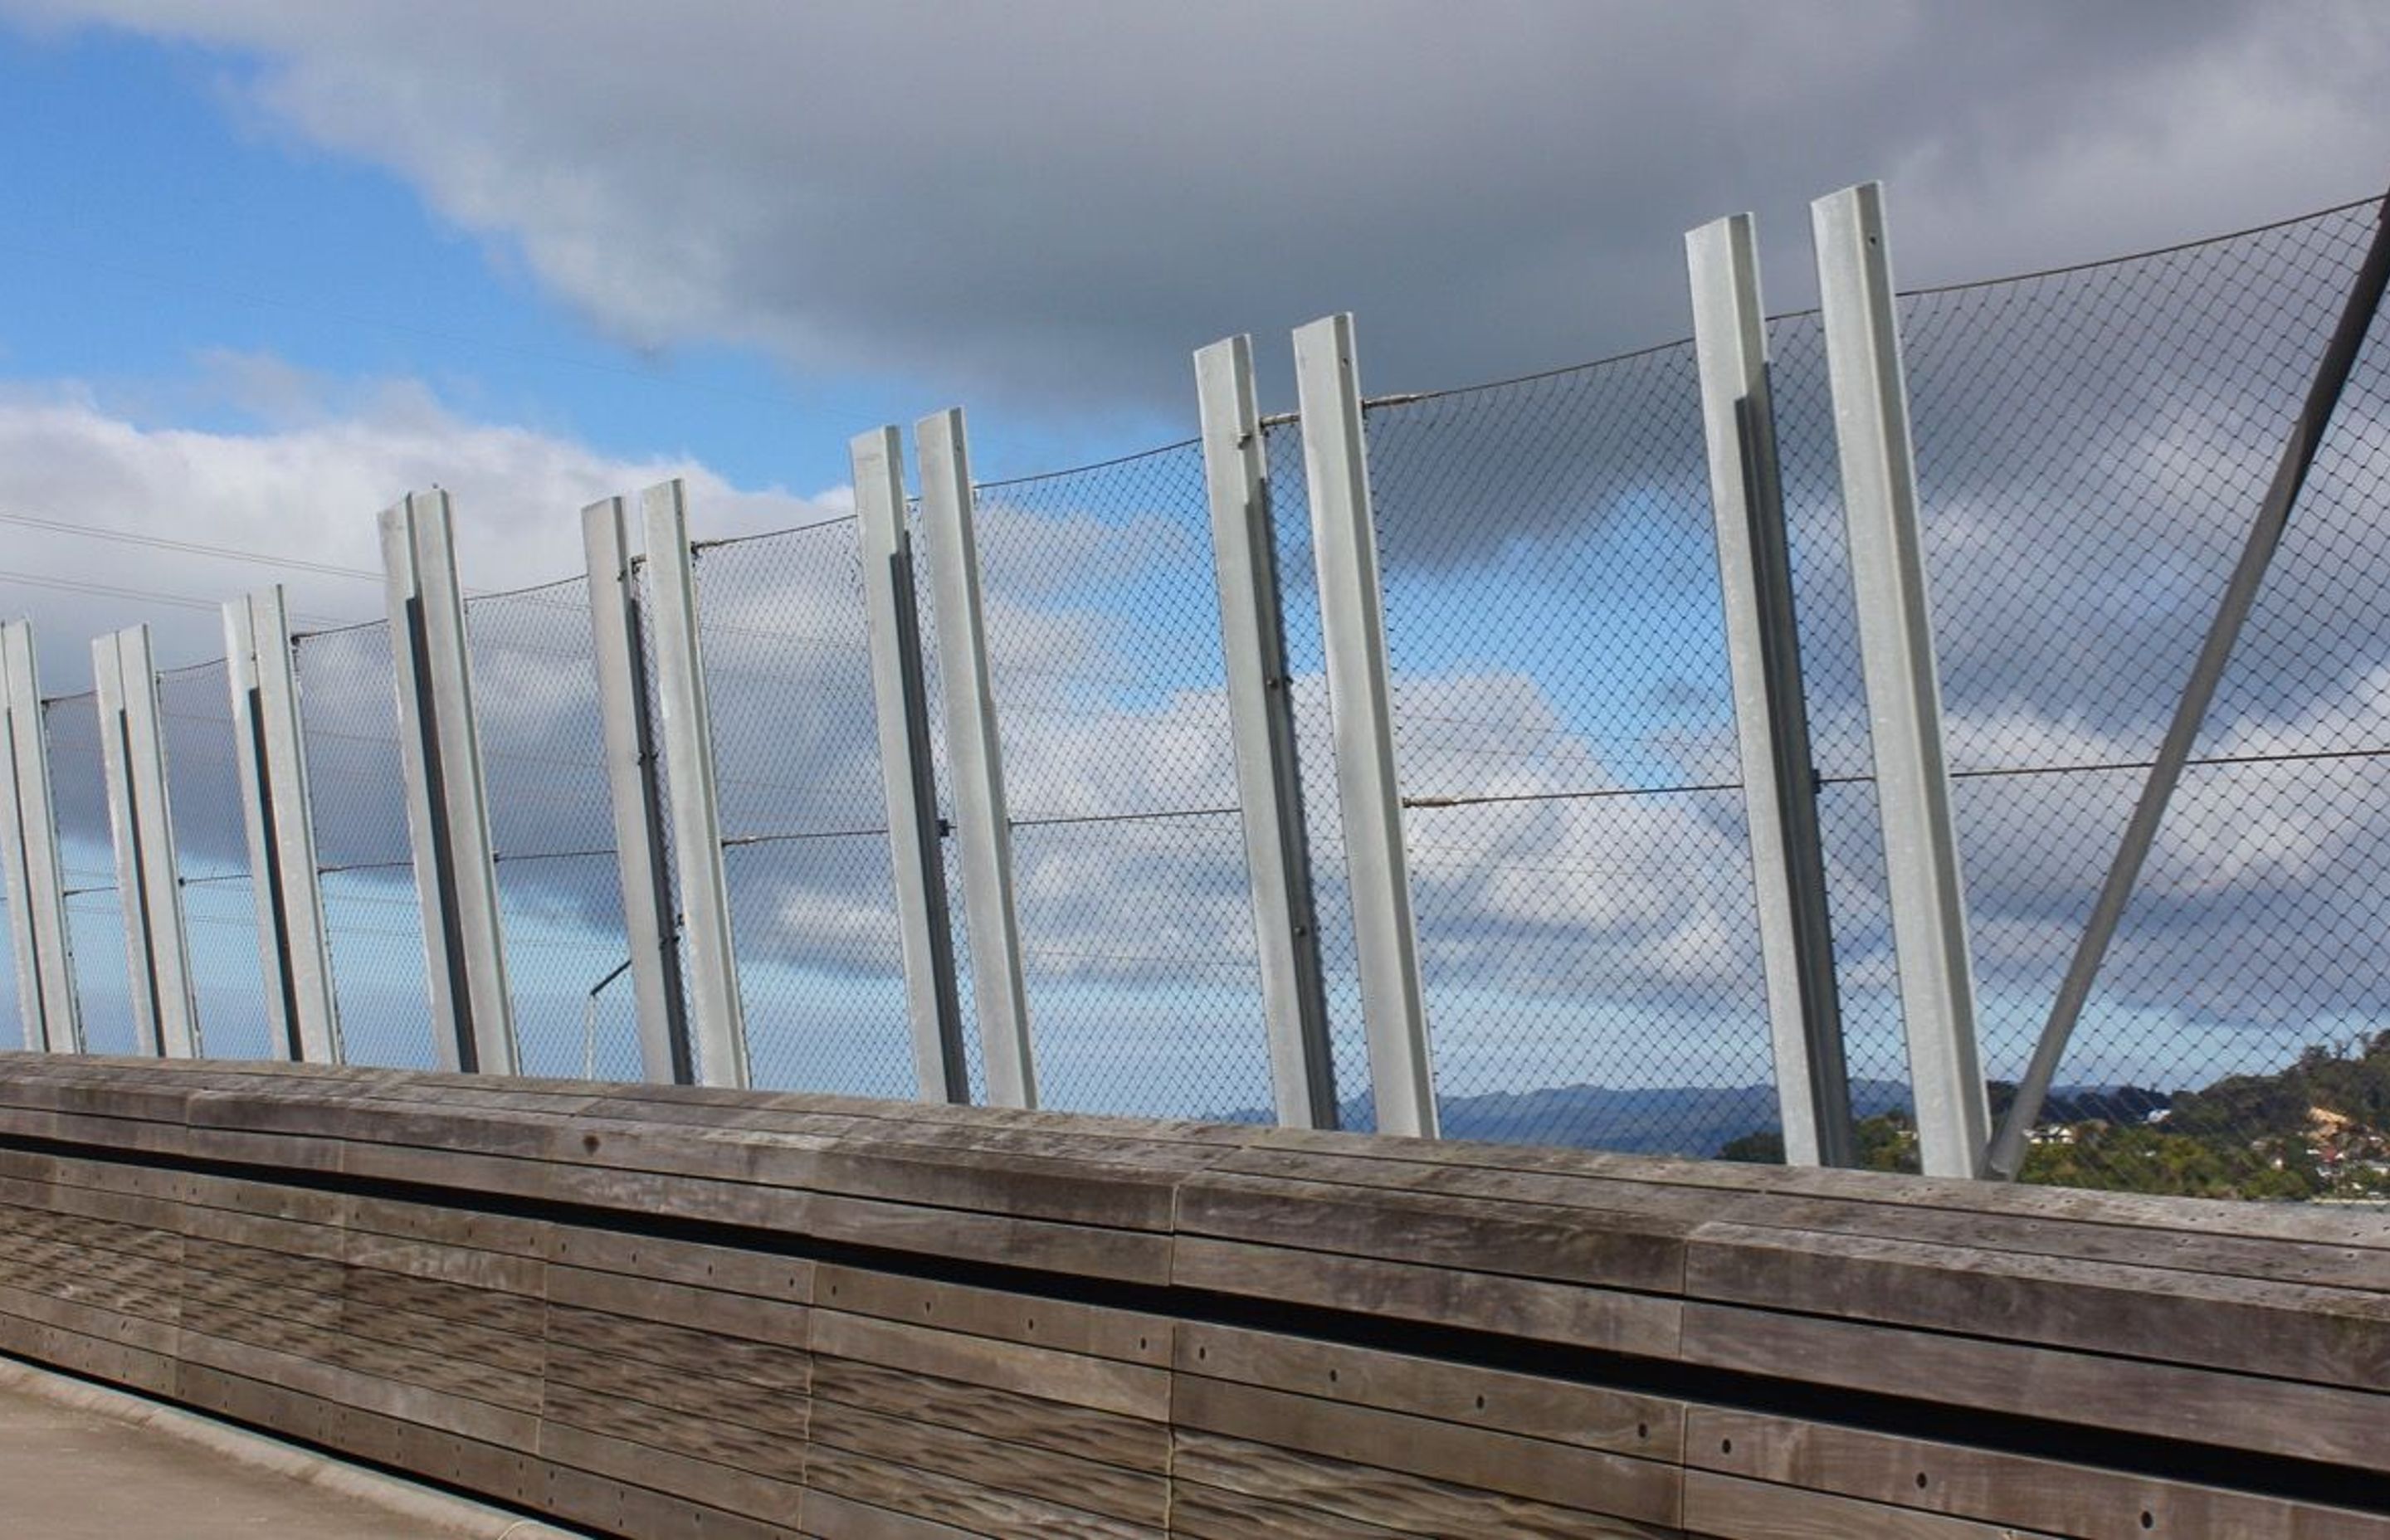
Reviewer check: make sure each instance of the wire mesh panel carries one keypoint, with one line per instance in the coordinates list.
(348, 710)
(87, 868)
(812, 897)
(1135, 917)
(2093, 446)
(1564, 731)
(211, 851)
(552, 832)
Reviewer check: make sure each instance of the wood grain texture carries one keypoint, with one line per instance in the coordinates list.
(692, 1313)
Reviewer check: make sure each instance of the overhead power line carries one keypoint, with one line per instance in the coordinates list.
(164, 542)
(149, 596)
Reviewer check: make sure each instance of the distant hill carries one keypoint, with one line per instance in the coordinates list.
(1698, 1120)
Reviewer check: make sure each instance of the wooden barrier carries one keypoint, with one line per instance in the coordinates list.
(677, 1312)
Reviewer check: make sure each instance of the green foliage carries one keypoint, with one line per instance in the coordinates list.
(2319, 1128)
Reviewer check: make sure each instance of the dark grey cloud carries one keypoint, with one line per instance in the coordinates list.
(1048, 203)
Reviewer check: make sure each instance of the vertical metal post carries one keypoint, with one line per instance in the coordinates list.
(615, 625)
(975, 761)
(271, 760)
(1261, 722)
(1878, 472)
(37, 904)
(1353, 626)
(718, 1016)
(141, 825)
(448, 817)
(1788, 863)
(901, 694)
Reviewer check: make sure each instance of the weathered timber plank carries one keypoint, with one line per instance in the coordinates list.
(1130, 1443)
(1608, 1248)
(1522, 1307)
(494, 1272)
(1133, 1336)
(1645, 1426)
(1729, 1507)
(507, 1427)
(621, 1508)
(1480, 1459)
(725, 1267)
(1130, 1389)
(832, 1516)
(506, 1316)
(2000, 1488)
(706, 1482)
(973, 1509)
(120, 1363)
(785, 1321)
(677, 1349)
(1346, 1493)
(782, 1412)
(1200, 1513)
(153, 1328)
(2289, 1330)
(696, 1434)
(1023, 1470)
(2202, 1405)
(1128, 1256)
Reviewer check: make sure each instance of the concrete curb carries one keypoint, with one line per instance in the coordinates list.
(443, 1513)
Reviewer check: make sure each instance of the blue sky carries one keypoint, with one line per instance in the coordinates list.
(160, 222)
(271, 264)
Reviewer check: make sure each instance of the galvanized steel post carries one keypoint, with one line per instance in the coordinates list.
(1261, 724)
(900, 695)
(1354, 629)
(37, 906)
(448, 820)
(718, 1019)
(141, 826)
(642, 862)
(975, 763)
(1788, 864)
(1879, 474)
(270, 756)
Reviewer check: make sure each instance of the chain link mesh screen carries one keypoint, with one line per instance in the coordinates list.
(348, 712)
(1564, 729)
(211, 851)
(552, 832)
(1136, 937)
(87, 869)
(804, 816)
(2093, 446)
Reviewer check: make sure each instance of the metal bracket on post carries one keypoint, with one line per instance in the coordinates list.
(901, 695)
(1261, 722)
(1353, 625)
(615, 625)
(975, 761)
(1879, 474)
(718, 1016)
(448, 816)
(37, 904)
(1788, 863)
(270, 757)
(141, 824)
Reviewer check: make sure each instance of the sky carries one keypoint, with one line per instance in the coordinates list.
(275, 265)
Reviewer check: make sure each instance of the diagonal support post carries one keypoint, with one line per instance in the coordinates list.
(28, 837)
(2007, 1155)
